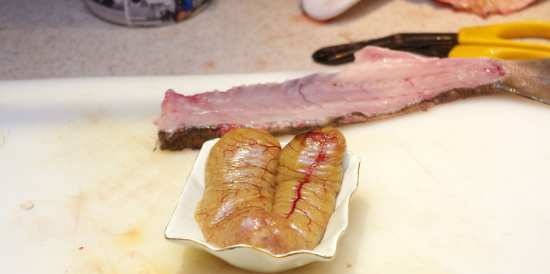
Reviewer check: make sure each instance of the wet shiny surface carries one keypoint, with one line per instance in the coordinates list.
(244, 203)
(308, 180)
(240, 180)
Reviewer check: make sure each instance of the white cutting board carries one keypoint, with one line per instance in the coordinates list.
(462, 188)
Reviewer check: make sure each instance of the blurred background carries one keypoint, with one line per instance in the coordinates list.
(62, 38)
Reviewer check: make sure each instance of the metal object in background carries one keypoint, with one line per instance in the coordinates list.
(145, 13)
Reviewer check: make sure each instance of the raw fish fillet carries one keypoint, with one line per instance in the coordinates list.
(380, 83)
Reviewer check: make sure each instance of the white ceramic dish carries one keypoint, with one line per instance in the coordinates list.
(183, 228)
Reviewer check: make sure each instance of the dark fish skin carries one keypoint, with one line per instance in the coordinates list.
(530, 79)
(192, 138)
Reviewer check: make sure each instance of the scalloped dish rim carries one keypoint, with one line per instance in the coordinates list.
(351, 158)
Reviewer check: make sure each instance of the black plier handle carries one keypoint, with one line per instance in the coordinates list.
(428, 44)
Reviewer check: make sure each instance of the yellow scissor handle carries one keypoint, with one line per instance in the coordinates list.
(495, 41)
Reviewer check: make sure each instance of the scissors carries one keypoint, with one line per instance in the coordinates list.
(493, 41)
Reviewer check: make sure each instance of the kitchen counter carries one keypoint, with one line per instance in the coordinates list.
(60, 38)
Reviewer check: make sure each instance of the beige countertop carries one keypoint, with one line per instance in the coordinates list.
(60, 38)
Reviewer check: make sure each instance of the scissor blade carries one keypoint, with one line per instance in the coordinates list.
(428, 44)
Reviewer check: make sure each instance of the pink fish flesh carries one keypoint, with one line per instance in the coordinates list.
(379, 83)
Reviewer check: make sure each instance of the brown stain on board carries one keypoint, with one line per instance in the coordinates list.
(129, 238)
(209, 65)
